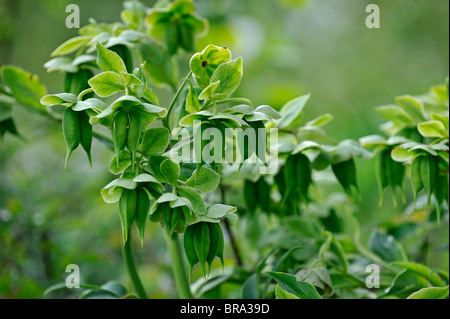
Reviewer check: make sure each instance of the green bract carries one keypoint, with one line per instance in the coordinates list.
(148, 112)
(111, 193)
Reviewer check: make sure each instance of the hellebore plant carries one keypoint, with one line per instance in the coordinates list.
(110, 70)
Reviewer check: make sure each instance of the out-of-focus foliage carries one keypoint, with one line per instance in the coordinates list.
(50, 218)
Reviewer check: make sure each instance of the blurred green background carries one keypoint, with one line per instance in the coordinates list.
(51, 217)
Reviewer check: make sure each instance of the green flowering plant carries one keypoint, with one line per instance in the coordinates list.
(303, 241)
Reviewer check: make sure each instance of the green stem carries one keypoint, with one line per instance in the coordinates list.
(132, 271)
(179, 271)
(106, 140)
(215, 107)
(175, 99)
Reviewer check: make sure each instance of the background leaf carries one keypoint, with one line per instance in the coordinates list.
(25, 87)
(289, 283)
(430, 293)
(291, 112)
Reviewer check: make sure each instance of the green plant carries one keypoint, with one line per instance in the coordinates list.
(418, 138)
(309, 239)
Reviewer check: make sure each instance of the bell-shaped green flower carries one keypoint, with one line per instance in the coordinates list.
(133, 194)
(173, 212)
(205, 63)
(178, 23)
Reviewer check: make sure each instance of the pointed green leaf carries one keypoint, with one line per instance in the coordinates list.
(106, 84)
(220, 210)
(108, 60)
(250, 288)
(372, 140)
(131, 80)
(300, 289)
(322, 120)
(209, 92)
(171, 170)
(433, 129)
(431, 293)
(229, 74)
(221, 245)
(395, 114)
(345, 173)
(204, 179)
(441, 118)
(196, 200)
(71, 45)
(155, 140)
(423, 271)
(401, 155)
(282, 294)
(292, 112)
(25, 87)
(192, 103)
(65, 99)
(412, 105)
(9, 126)
(90, 104)
(387, 247)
